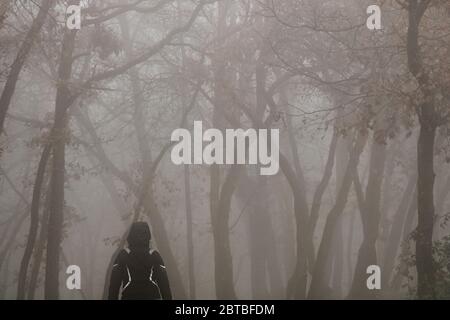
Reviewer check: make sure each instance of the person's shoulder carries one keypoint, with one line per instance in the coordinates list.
(123, 254)
(156, 257)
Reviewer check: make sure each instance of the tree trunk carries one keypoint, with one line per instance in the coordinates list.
(5, 276)
(41, 244)
(34, 223)
(220, 197)
(318, 195)
(387, 197)
(19, 61)
(338, 260)
(297, 283)
(40, 248)
(296, 287)
(318, 285)
(12, 236)
(425, 203)
(258, 232)
(190, 241)
(395, 233)
(425, 155)
(403, 272)
(264, 261)
(370, 216)
(276, 283)
(222, 252)
(58, 140)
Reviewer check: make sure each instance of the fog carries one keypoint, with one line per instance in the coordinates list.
(358, 207)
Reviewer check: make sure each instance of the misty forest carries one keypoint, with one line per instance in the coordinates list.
(86, 117)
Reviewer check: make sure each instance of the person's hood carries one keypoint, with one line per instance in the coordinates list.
(139, 236)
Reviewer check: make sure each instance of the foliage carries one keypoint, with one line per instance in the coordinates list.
(441, 256)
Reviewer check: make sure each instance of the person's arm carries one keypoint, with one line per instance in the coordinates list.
(160, 276)
(115, 281)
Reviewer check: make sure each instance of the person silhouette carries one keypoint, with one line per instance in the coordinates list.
(138, 270)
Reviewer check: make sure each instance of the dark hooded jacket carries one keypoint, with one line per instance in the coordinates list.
(139, 271)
